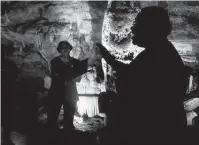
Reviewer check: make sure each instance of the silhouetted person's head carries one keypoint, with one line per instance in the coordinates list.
(64, 48)
(152, 24)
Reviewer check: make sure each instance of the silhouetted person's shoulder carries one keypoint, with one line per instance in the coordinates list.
(55, 60)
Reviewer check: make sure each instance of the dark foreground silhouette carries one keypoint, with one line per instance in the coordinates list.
(151, 89)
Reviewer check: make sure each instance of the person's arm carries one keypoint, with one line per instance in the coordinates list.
(110, 59)
(80, 67)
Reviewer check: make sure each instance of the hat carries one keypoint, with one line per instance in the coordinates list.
(64, 45)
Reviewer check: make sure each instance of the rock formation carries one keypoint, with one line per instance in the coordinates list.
(35, 29)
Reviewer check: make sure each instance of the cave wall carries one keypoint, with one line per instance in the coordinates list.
(120, 15)
(35, 29)
(119, 18)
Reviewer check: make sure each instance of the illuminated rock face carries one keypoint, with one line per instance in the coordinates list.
(40, 26)
(116, 35)
(35, 29)
(119, 17)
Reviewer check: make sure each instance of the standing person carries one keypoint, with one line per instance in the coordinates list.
(9, 73)
(150, 102)
(64, 70)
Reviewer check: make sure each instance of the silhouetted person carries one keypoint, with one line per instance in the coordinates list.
(8, 85)
(64, 70)
(152, 87)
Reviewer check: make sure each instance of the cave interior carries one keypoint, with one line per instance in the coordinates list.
(33, 29)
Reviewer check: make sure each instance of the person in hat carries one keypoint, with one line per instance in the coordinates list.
(64, 70)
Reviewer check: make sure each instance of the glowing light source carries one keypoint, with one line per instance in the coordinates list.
(88, 105)
(190, 116)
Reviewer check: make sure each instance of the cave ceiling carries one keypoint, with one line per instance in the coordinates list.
(35, 28)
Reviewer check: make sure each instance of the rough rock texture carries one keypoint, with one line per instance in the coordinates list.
(119, 17)
(35, 29)
(117, 34)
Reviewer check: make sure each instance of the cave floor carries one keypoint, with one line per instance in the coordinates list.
(88, 124)
(56, 137)
(86, 132)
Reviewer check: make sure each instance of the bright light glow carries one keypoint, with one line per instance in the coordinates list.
(191, 104)
(78, 120)
(190, 116)
(88, 105)
(47, 82)
(190, 84)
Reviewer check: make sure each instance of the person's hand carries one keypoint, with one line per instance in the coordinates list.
(90, 69)
(101, 49)
(96, 54)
